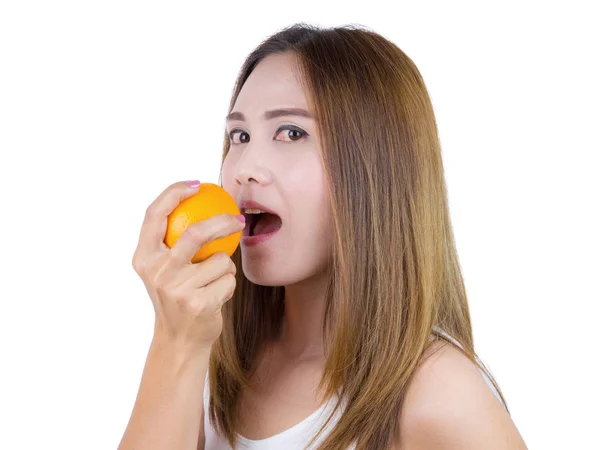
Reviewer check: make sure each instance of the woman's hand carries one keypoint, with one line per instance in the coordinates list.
(187, 298)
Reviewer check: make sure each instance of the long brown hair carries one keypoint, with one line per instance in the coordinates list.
(395, 278)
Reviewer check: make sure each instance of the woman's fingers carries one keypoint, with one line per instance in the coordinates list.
(199, 233)
(154, 227)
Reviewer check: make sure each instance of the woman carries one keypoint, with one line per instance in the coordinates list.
(349, 325)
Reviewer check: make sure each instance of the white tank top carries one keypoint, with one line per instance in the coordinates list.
(296, 437)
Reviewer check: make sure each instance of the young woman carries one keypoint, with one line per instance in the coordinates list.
(341, 322)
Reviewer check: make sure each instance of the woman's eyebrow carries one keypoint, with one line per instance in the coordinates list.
(268, 115)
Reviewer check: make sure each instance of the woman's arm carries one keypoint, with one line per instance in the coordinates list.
(169, 410)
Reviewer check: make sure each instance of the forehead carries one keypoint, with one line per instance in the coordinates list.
(273, 83)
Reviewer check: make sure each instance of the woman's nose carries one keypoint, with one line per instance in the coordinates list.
(257, 175)
(252, 170)
(253, 163)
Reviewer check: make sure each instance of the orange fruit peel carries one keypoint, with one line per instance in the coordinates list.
(209, 201)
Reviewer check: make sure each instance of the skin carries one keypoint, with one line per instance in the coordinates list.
(284, 173)
(448, 405)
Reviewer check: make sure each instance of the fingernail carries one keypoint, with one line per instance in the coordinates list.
(193, 183)
(241, 218)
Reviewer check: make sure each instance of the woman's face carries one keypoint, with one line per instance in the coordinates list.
(281, 169)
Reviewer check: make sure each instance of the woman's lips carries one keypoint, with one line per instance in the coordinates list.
(252, 241)
(248, 204)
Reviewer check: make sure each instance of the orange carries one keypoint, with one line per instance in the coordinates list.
(210, 200)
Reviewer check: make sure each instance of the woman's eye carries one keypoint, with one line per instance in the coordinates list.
(232, 132)
(293, 134)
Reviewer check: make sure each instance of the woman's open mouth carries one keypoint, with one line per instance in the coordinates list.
(259, 227)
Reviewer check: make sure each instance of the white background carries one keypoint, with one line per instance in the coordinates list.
(103, 104)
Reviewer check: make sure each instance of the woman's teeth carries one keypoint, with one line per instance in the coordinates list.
(254, 211)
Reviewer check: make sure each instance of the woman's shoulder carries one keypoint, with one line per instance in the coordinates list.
(448, 401)
(444, 366)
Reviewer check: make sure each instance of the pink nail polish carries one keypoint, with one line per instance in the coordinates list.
(193, 183)
(241, 218)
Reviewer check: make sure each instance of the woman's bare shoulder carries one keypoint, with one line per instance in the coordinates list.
(449, 405)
